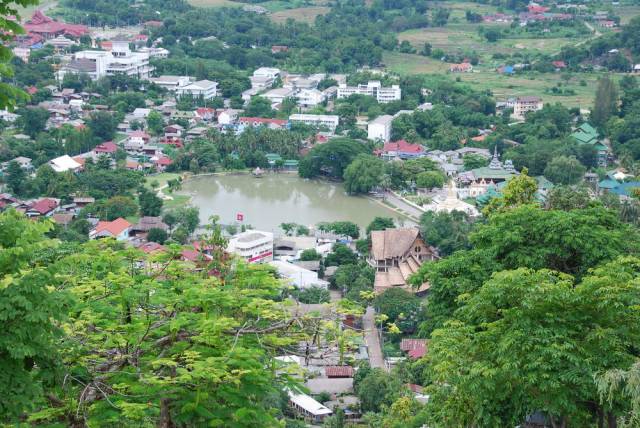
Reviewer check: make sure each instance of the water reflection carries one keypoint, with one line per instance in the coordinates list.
(273, 199)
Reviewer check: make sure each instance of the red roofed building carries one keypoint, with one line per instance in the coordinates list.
(559, 65)
(151, 247)
(206, 113)
(31, 90)
(415, 348)
(262, 121)
(338, 371)
(536, 8)
(162, 163)
(118, 229)
(464, 67)
(45, 207)
(106, 148)
(46, 27)
(279, 48)
(172, 141)
(402, 149)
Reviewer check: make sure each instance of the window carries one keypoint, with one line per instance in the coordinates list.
(417, 249)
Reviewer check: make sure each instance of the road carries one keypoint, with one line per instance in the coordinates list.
(376, 358)
(413, 212)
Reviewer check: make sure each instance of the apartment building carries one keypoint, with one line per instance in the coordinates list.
(202, 88)
(373, 89)
(525, 104)
(379, 129)
(171, 83)
(318, 120)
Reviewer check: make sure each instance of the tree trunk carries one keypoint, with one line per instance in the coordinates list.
(612, 422)
(165, 415)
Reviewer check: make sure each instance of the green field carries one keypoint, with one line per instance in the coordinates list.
(485, 78)
(302, 14)
(215, 3)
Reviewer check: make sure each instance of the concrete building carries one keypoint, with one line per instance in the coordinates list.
(254, 246)
(373, 89)
(298, 276)
(310, 97)
(202, 88)
(278, 95)
(171, 83)
(523, 105)
(269, 72)
(309, 408)
(261, 82)
(318, 120)
(98, 64)
(379, 129)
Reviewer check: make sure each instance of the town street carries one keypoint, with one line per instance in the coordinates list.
(371, 339)
(413, 212)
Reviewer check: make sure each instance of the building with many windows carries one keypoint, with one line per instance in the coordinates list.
(254, 246)
(524, 105)
(373, 89)
(319, 120)
(379, 129)
(202, 88)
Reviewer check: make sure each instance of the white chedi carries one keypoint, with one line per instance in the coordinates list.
(451, 203)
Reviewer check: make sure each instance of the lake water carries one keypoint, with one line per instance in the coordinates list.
(278, 198)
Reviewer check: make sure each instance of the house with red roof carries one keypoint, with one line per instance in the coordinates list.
(107, 148)
(464, 67)
(401, 150)
(262, 121)
(172, 141)
(559, 65)
(118, 229)
(44, 207)
(162, 163)
(536, 8)
(136, 140)
(206, 114)
(415, 348)
(151, 247)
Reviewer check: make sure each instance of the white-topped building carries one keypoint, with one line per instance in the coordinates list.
(254, 246)
(171, 83)
(202, 88)
(120, 60)
(308, 407)
(379, 129)
(373, 89)
(310, 97)
(319, 120)
(269, 72)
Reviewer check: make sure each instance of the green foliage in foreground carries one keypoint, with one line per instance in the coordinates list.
(102, 335)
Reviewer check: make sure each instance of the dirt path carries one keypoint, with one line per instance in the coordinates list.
(376, 358)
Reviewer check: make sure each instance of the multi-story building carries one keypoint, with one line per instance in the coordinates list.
(120, 60)
(278, 95)
(525, 104)
(254, 246)
(202, 88)
(373, 89)
(319, 120)
(267, 72)
(171, 83)
(379, 129)
(310, 97)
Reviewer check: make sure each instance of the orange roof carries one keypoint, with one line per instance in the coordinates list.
(114, 228)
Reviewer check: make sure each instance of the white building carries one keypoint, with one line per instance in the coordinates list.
(308, 407)
(310, 97)
(202, 88)
(298, 276)
(318, 120)
(98, 64)
(269, 72)
(276, 96)
(171, 83)
(22, 53)
(380, 128)
(261, 82)
(254, 246)
(155, 52)
(523, 105)
(373, 89)
(228, 117)
(64, 163)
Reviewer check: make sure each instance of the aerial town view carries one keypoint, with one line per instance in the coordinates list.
(320, 213)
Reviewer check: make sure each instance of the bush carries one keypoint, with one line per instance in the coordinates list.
(313, 294)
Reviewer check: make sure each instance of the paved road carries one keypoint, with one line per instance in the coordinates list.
(412, 211)
(371, 338)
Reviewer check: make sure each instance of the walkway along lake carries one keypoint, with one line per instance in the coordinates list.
(273, 199)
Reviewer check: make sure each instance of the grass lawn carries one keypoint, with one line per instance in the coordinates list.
(178, 201)
(302, 14)
(161, 178)
(26, 12)
(486, 78)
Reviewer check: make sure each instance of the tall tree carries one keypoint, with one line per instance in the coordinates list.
(363, 174)
(606, 101)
